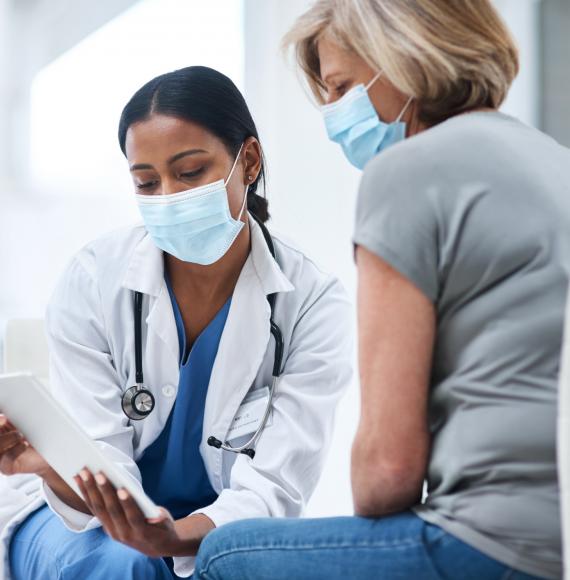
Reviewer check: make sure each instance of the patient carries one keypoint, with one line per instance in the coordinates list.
(461, 236)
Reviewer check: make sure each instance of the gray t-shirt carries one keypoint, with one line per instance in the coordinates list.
(476, 213)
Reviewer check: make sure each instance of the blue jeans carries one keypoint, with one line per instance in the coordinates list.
(44, 549)
(352, 548)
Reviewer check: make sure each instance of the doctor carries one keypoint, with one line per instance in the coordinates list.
(215, 294)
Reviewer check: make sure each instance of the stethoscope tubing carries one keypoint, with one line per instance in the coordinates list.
(128, 397)
(249, 445)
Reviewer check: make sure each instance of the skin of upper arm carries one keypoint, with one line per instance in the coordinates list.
(396, 334)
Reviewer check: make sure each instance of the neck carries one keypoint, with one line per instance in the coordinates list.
(414, 125)
(214, 282)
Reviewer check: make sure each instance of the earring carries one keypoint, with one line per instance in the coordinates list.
(250, 177)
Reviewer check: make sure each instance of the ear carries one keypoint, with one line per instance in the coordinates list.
(252, 155)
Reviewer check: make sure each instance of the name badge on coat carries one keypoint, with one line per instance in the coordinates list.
(250, 414)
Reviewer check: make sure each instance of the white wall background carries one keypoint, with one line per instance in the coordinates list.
(78, 186)
(311, 191)
(523, 18)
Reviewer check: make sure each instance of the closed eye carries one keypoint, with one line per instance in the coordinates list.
(340, 89)
(146, 184)
(192, 174)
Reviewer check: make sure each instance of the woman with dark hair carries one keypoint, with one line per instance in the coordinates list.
(237, 344)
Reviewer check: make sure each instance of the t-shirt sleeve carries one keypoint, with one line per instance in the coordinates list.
(396, 220)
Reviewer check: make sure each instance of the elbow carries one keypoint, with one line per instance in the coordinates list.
(381, 487)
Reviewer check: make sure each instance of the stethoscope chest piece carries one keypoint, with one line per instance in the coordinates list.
(137, 403)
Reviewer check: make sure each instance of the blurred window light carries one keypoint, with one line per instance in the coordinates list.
(78, 98)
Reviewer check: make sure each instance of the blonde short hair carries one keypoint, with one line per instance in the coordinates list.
(450, 55)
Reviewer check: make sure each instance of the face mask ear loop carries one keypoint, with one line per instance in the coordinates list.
(234, 165)
(376, 77)
(404, 110)
(244, 203)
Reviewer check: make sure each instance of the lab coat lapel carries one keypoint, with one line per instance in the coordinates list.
(161, 323)
(240, 354)
(145, 274)
(242, 347)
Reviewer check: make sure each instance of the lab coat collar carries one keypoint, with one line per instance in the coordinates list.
(145, 271)
(271, 277)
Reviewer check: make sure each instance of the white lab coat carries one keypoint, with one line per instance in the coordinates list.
(91, 338)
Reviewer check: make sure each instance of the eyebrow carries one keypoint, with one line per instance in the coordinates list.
(141, 166)
(330, 76)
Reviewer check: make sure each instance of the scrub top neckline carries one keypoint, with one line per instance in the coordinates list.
(181, 331)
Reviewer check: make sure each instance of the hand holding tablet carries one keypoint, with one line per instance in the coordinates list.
(55, 439)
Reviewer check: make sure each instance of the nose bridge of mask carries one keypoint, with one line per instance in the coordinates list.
(344, 112)
(353, 94)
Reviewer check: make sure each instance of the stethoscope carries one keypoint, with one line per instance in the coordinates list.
(138, 402)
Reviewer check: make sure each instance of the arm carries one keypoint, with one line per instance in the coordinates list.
(396, 335)
(84, 380)
(191, 531)
(63, 491)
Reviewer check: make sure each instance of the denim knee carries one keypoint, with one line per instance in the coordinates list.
(135, 564)
(217, 543)
(116, 560)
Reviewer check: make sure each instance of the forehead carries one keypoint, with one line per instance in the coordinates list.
(163, 134)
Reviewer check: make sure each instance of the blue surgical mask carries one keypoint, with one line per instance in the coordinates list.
(353, 122)
(195, 225)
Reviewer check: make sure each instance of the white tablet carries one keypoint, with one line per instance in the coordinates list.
(58, 437)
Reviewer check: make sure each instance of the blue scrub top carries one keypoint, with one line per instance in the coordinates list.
(172, 469)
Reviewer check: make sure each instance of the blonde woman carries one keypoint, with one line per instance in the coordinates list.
(462, 217)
